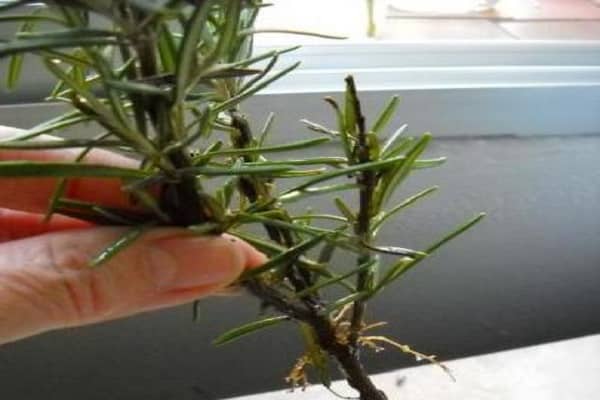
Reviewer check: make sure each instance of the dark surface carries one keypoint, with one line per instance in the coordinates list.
(528, 274)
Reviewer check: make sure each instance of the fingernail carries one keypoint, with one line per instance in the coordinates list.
(190, 262)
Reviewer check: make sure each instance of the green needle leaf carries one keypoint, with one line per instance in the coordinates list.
(266, 130)
(44, 43)
(247, 329)
(337, 279)
(285, 258)
(316, 191)
(313, 126)
(313, 231)
(292, 32)
(398, 251)
(139, 88)
(105, 116)
(116, 247)
(350, 108)
(234, 101)
(62, 183)
(393, 178)
(380, 220)
(332, 161)
(327, 217)
(302, 144)
(236, 170)
(458, 231)
(398, 148)
(374, 165)
(69, 34)
(264, 56)
(274, 249)
(60, 122)
(345, 300)
(187, 50)
(345, 210)
(14, 71)
(167, 49)
(392, 139)
(230, 30)
(341, 121)
(205, 228)
(224, 71)
(30, 169)
(386, 115)
(406, 263)
(261, 75)
(58, 144)
(16, 61)
(429, 163)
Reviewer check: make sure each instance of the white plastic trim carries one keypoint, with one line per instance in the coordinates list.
(431, 78)
(330, 54)
(442, 65)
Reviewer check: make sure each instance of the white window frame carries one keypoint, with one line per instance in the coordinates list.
(443, 64)
(461, 87)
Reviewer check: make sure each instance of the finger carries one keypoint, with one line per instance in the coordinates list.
(33, 194)
(18, 225)
(45, 282)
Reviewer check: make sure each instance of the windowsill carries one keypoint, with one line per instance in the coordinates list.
(427, 65)
(534, 372)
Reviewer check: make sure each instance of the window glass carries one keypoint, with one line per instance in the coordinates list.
(416, 20)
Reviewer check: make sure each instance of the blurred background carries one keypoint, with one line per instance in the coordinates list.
(441, 19)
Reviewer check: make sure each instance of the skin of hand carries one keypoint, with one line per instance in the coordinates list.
(45, 279)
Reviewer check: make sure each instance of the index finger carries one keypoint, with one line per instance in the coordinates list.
(33, 194)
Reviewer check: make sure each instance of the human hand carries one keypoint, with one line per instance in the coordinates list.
(45, 281)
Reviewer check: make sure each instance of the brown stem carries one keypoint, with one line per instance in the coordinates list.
(180, 200)
(308, 310)
(355, 373)
(356, 376)
(367, 181)
(251, 188)
(137, 101)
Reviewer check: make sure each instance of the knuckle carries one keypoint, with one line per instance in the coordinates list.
(86, 298)
(84, 293)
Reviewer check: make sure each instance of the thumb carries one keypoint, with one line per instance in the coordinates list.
(46, 282)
